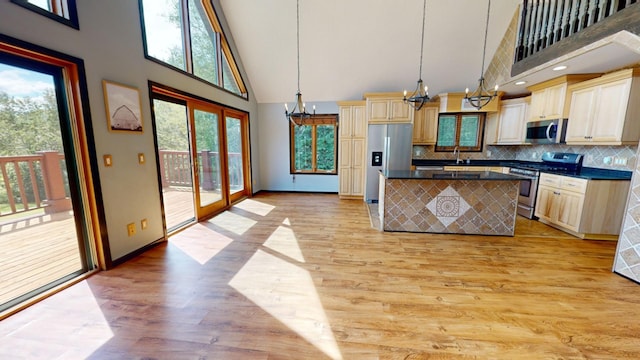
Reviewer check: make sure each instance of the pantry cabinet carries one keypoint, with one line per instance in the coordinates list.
(425, 124)
(604, 110)
(352, 149)
(388, 108)
(589, 209)
(549, 99)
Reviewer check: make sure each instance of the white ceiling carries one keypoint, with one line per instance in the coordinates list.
(349, 47)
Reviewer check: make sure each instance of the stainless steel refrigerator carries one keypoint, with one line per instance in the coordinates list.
(389, 147)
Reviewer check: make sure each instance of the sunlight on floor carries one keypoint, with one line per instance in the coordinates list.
(255, 207)
(232, 222)
(202, 243)
(287, 293)
(58, 339)
(284, 241)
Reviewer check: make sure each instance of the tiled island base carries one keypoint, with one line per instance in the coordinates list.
(456, 206)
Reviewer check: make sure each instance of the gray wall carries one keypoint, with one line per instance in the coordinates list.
(274, 151)
(110, 43)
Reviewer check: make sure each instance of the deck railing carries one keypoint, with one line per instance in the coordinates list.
(545, 22)
(32, 182)
(175, 169)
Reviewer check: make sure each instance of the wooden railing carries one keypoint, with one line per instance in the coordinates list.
(32, 182)
(175, 169)
(545, 22)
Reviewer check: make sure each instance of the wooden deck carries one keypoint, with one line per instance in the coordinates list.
(305, 276)
(40, 249)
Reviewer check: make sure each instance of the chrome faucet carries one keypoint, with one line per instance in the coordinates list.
(456, 153)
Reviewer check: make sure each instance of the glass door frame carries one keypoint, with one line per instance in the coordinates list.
(207, 210)
(246, 152)
(159, 91)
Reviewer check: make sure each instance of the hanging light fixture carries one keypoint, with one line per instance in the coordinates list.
(299, 111)
(421, 94)
(481, 97)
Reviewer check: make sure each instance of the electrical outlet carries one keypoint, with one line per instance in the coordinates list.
(131, 229)
(143, 224)
(623, 161)
(488, 153)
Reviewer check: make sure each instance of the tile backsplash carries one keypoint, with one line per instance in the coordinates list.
(607, 157)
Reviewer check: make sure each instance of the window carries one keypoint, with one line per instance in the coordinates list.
(63, 11)
(186, 35)
(460, 130)
(313, 145)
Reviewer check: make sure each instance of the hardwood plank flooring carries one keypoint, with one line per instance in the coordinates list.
(305, 276)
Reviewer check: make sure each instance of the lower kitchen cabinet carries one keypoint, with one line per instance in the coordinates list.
(589, 209)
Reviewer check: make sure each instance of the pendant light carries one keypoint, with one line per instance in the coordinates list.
(481, 97)
(421, 94)
(299, 111)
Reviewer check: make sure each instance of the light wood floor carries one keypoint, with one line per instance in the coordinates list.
(304, 276)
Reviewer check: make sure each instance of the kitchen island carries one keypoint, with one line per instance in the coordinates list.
(454, 202)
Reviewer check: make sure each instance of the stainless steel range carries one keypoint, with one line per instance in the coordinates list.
(530, 172)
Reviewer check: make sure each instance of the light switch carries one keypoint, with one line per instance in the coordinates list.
(141, 158)
(108, 160)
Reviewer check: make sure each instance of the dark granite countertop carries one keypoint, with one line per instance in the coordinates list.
(447, 175)
(590, 173)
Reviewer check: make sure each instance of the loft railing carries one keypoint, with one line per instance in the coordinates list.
(545, 22)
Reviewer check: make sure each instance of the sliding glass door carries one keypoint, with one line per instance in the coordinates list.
(202, 154)
(43, 229)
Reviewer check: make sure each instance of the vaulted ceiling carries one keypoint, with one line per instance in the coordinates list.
(349, 47)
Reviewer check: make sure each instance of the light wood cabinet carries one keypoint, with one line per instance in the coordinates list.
(508, 126)
(549, 99)
(589, 209)
(352, 149)
(604, 110)
(387, 108)
(454, 103)
(425, 124)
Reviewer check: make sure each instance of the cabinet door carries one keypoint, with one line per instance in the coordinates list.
(581, 115)
(610, 111)
(346, 122)
(359, 121)
(554, 101)
(378, 110)
(536, 109)
(400, 111)
(425, 126)
(358, 160)
(545, 203)
(569, 210)
(511, 124)
(345, 165)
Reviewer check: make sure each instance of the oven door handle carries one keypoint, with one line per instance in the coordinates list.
(549, 131)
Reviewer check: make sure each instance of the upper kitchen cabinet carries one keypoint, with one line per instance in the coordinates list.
(549, 99)
(387, 108)
(508, 126)
(605, 110)
(425, 124)
(352, 149)
(454, 103)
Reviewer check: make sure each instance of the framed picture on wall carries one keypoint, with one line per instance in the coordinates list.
(123, 107)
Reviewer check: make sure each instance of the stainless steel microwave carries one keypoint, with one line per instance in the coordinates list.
(546, 131)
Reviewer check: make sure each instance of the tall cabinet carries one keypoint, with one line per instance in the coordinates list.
(352, 149)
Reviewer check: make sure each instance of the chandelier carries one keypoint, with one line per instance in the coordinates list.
(421, 94)
(299, 111)
(481, 97)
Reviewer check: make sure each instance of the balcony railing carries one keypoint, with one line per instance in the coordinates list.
(32, 182)
(545, 22)
(175, 169)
